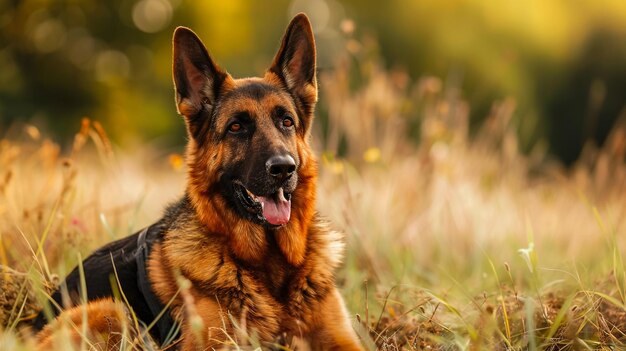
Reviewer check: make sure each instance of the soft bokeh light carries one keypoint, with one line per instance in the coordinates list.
(318, 12)
(111, 65)
(152, 15)
(49, 36)
(81, 47)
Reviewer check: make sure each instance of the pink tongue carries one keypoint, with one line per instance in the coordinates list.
(278, 211)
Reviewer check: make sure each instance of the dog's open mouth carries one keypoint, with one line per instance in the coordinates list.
(274, 208)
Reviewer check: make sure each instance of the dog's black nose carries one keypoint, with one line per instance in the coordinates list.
(281, 166)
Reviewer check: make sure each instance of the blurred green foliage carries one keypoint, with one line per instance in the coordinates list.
(564, 62)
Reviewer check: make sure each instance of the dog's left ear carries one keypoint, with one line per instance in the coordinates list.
(294, 64)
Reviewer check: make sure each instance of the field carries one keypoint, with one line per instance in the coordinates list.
(455, 239)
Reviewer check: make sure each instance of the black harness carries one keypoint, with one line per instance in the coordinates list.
(168, 329)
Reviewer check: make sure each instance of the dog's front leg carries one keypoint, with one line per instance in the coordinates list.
(206, 327)
(332, 328)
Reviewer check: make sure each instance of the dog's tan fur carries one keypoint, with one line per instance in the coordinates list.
(108, 326)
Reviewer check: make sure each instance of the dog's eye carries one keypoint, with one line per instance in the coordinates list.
(287, 122)
(235, 127)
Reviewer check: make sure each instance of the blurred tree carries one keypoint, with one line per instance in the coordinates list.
(589, 96)
(65, 60)
(563, 62)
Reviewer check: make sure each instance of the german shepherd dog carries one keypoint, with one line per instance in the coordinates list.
(245, 234)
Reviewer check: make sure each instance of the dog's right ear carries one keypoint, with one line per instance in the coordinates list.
(197, 77)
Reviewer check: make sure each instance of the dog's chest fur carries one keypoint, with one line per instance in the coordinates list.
(271, 296)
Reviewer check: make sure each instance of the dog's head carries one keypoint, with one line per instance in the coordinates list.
(248, 154)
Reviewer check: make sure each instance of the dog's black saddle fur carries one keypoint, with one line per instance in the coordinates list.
(129, 255)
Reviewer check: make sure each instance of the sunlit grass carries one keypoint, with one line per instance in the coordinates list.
(455, 240)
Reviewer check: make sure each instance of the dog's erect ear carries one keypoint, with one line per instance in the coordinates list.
(295, 65)
(197, 78)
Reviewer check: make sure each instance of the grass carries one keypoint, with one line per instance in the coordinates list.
(456, 240)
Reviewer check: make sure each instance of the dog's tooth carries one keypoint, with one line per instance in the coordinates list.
(251, 194)
(281, 194)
